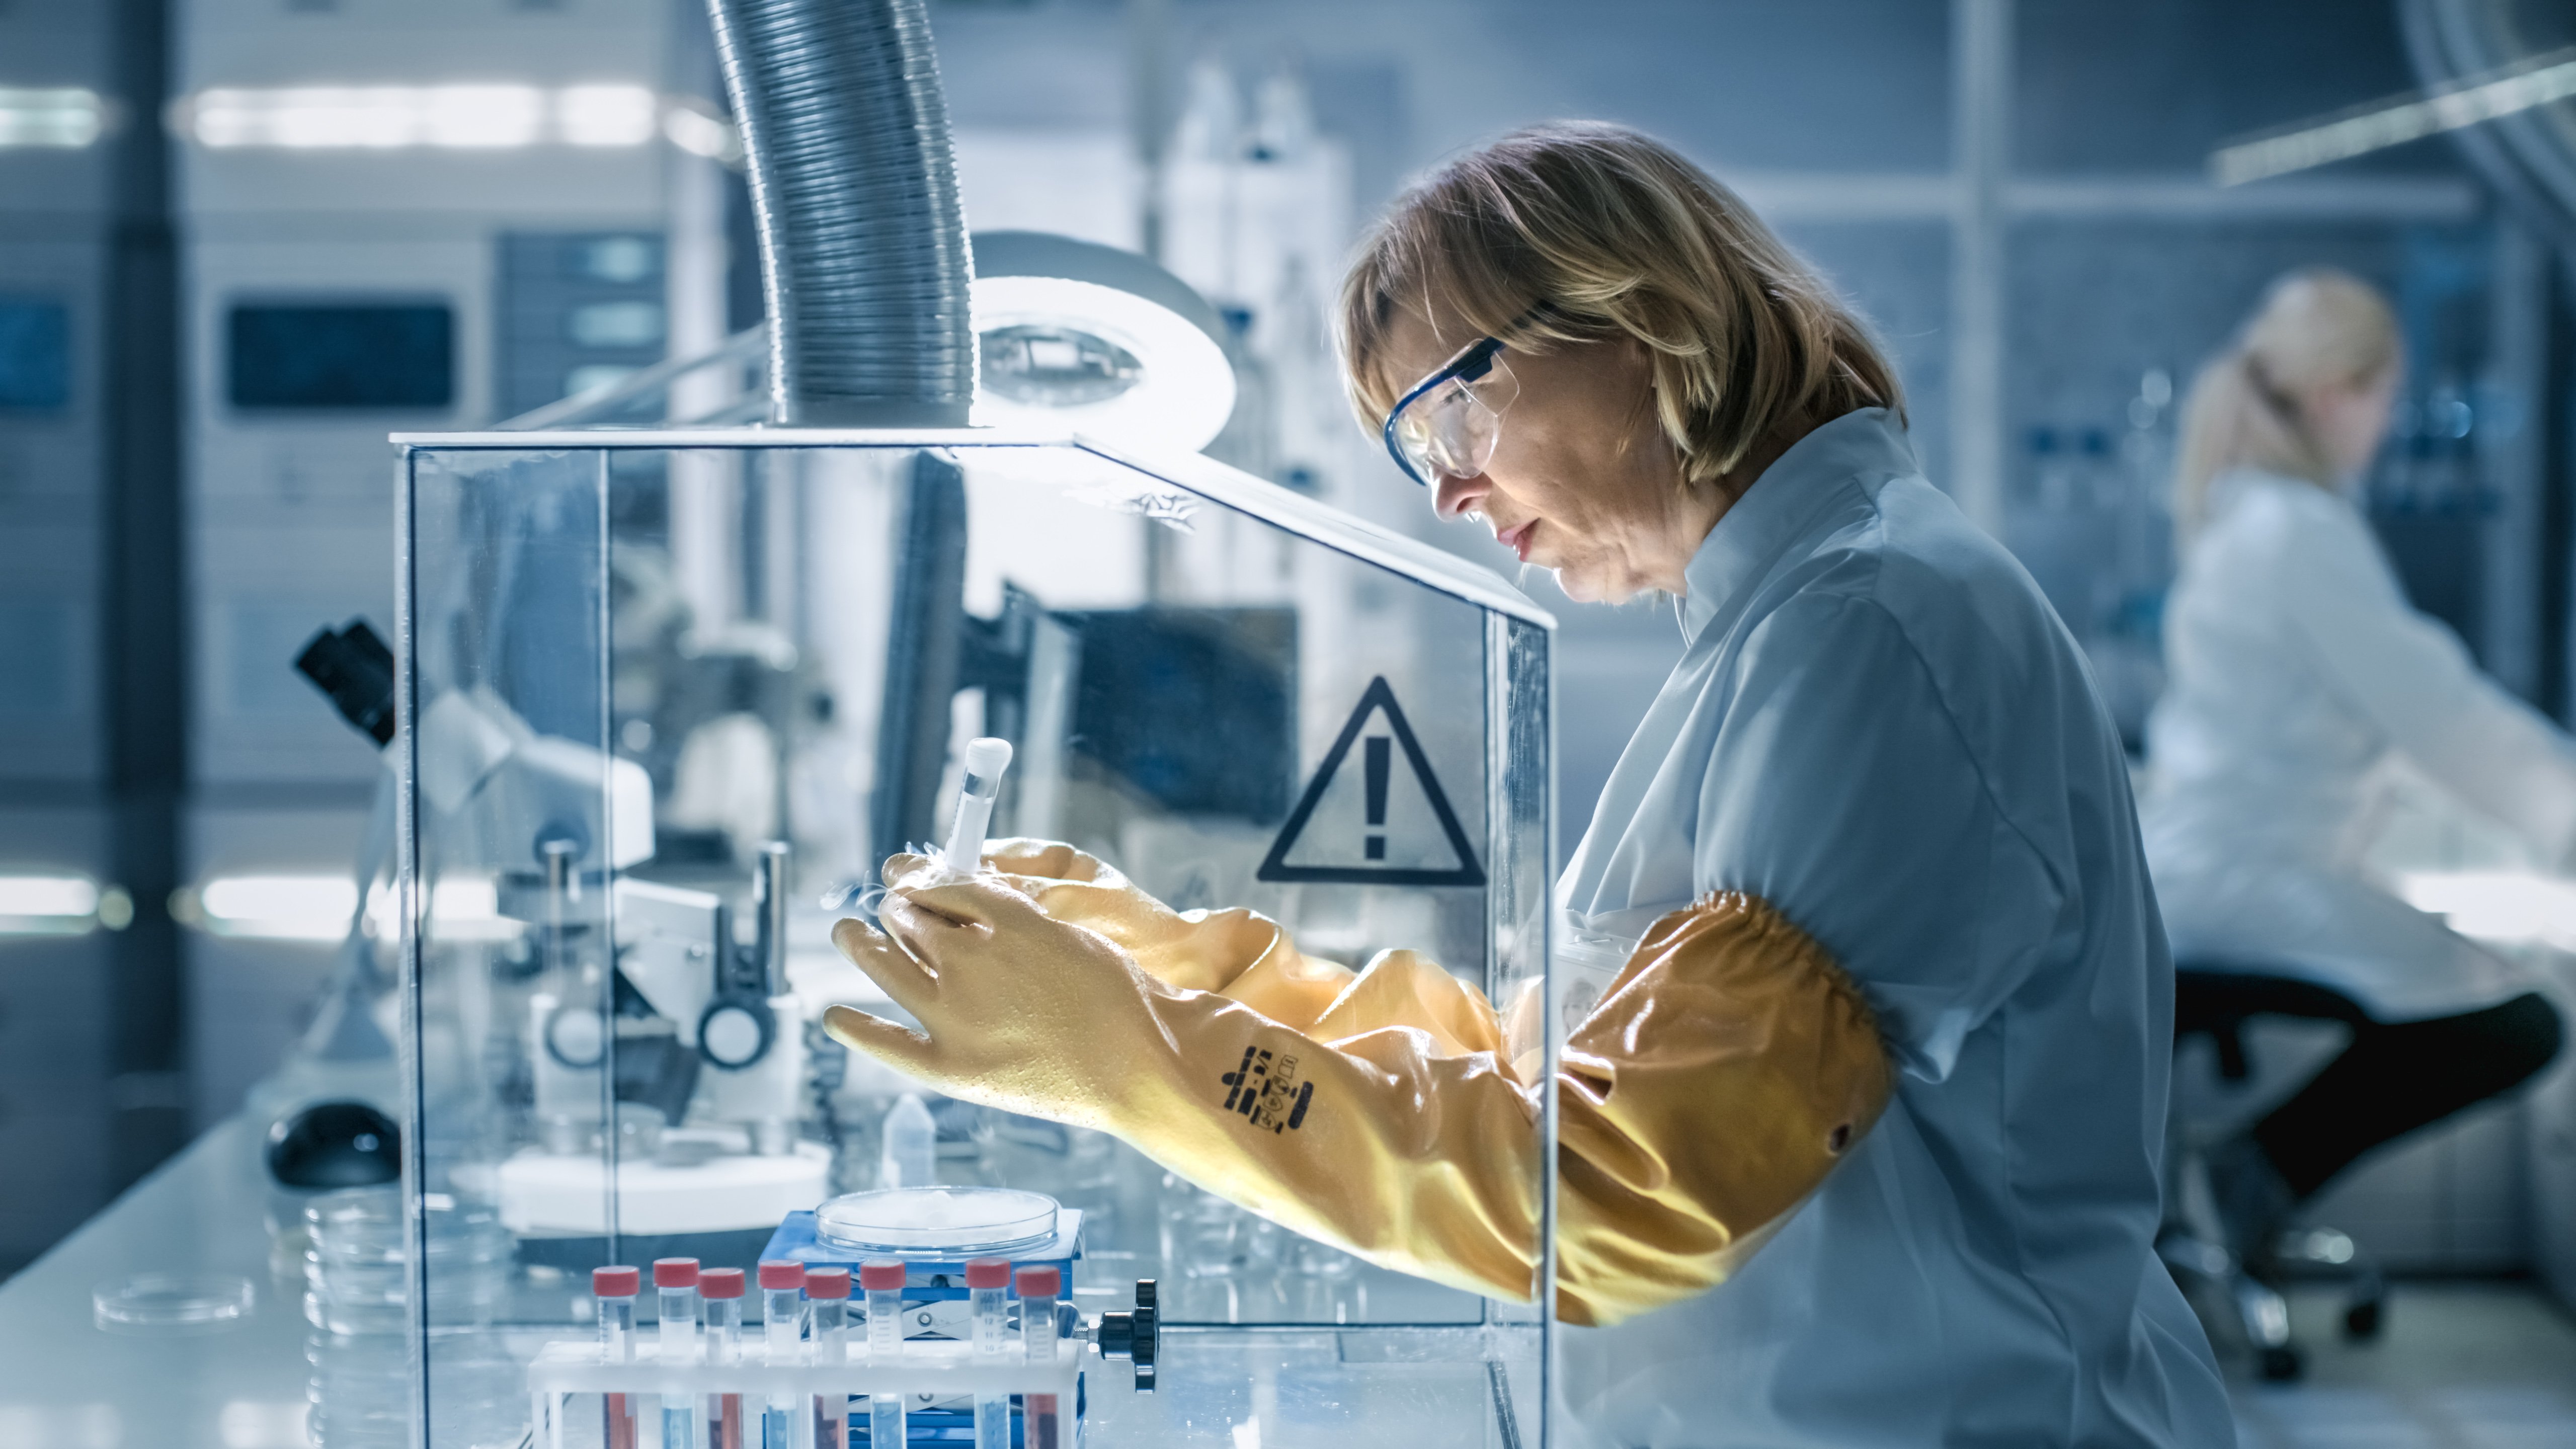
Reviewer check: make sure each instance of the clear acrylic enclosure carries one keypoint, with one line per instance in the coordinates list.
(670, 699)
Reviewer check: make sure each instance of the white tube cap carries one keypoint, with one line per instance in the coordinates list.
(986, 759)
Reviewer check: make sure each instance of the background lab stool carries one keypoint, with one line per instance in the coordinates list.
(2233, 1301)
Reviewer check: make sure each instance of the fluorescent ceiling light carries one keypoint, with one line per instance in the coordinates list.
(461, 908)
(446, 117)
(2383, 124)
(606, 115)
(58, 117)
(2507, 907)
(701, 130)
(317, 908)
(275, 907)
(60, 905)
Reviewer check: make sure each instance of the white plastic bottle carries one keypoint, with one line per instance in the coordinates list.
(910, 1157)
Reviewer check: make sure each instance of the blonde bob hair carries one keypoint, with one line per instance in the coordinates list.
(2317, 328)
(1580, 231)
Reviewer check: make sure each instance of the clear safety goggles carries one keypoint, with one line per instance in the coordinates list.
(1448, 424)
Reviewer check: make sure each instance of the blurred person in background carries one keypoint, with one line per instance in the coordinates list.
(2296, 665)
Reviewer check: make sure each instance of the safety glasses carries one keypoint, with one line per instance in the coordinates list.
(1448, 424)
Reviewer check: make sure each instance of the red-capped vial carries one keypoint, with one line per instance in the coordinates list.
(988, 1291)
(676, 1280)
(782, 1307)
(720, 1289)
(1041, 1422)
(828, 1290)
(615, 1288)
(883, 1279)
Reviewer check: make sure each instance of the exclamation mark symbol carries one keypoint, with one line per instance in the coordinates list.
(1380, 751)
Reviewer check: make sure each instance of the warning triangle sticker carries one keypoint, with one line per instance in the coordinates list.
(1375, 815)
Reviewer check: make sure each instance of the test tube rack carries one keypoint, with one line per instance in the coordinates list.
(568, 1369)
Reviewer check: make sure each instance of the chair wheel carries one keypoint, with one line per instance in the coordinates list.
(2363, 1319)
(2281, 1365)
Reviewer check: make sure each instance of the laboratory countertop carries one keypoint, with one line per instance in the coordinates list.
(66, 1384)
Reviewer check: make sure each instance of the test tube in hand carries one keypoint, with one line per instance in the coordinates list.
(988, 1290)
(721, 1290)
(677, 1281)
(1039, 1426)
(782, 1309)
(615, 1288)
(883, 1280)
(829, 1291)
(986, 759)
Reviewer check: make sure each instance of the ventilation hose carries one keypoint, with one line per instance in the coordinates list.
(863, 254)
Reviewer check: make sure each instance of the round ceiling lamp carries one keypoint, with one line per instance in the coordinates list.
(1073, 333)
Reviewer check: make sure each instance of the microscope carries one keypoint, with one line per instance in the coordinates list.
(659, 1046)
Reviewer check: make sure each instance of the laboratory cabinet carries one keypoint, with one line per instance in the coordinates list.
(668, 699)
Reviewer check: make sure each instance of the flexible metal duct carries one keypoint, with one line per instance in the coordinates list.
(862, 241)
(2530, 156)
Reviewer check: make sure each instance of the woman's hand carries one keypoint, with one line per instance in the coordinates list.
(1021, 1011)
(1422, 1161)
(1240, 953)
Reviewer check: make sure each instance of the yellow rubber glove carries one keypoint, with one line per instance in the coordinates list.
(1053, 1020)
(1240, 953)
(1720, 1078)
(1727, 1069)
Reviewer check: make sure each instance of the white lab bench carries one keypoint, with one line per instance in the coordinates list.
(66, 1384)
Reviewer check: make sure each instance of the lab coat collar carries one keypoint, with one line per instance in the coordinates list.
(1865, 448)
(2231, 487)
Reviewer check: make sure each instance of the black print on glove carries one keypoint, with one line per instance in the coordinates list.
(1265, 1090)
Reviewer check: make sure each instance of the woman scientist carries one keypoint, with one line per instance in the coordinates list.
(2295, 666)
(1860, 1145)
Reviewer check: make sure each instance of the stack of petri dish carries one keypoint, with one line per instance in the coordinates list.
(358, 1277)
(360, 1390)
(937, 1221)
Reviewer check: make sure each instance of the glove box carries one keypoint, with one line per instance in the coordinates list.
(667, 702)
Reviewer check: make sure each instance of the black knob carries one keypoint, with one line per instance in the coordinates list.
(1134, 1336)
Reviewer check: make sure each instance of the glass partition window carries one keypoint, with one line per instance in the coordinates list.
(670, 702)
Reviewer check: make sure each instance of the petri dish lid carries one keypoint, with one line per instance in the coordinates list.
(172, 1303)
(936, 1220)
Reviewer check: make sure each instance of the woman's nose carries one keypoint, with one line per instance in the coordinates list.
(1454, 496)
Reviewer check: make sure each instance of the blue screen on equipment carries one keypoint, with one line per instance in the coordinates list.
(35, 353)
(375, 355)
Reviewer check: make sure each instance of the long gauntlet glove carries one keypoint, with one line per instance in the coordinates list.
(1727, 1068)
(1237, 953)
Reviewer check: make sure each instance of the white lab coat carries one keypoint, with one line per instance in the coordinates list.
(2295, 664)
(1879, 727)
